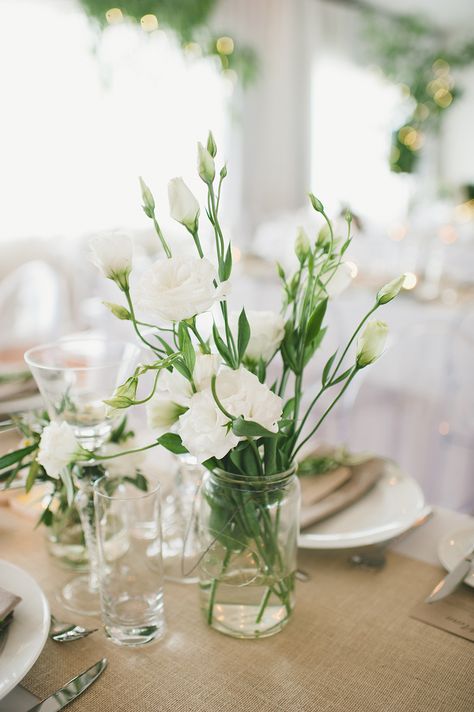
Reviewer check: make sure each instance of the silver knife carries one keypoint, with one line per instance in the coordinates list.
(453, 579)
(71, 690)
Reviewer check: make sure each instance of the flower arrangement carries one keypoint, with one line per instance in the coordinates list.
(210, 397)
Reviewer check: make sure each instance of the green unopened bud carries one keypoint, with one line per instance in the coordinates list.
(281, 271)
(390, 290)
(211, 145)
(223, 172)
(118, 311)
(316, 203)
(324, 237)
(371, 343)
(206, 167)
(302, 245)
(148, 199)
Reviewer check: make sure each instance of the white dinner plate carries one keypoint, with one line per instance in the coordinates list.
(387, 510)
(28, 631)
(453, 547)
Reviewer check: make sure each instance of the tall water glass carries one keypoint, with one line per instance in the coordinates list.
(130, 561)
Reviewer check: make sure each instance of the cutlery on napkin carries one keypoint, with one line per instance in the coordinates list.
(363, 477)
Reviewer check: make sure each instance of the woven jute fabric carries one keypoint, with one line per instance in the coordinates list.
(351, 647)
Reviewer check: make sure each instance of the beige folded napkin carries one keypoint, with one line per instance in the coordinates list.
(363, 477)
(8, 602)
(314, 488)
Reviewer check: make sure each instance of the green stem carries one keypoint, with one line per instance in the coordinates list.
(160, 235)
(137, 330)
(361, 324)
(215, 582)
(264, 604)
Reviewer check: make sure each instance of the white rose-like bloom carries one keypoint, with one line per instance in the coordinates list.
(112, 253)
(58, 447)
(340, 280)
(267, 329)
(184, 208)
(371, 343)
(242, 394)
(174, 391)
(178, 288)
(203, 428)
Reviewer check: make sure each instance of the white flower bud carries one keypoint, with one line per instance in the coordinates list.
(118, 311)
(390, 290)
(206, 167)
(211, 145)
(184, 207)
(371, 343)
(112, 253)
(302, 245)
(148, 199)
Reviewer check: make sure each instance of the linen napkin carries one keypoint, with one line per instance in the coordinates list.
(342, 490)
(8, 603)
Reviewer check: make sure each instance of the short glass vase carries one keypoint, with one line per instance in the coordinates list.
(248, 533)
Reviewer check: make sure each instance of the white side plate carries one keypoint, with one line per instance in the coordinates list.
(28, 632)
(386, 511)
(453, 547)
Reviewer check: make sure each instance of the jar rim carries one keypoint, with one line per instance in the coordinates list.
(255, 482)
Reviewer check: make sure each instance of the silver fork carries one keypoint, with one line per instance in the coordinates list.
(374, 557)
(62, 632)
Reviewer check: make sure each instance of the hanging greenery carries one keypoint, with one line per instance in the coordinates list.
(189, 21)
(414, 53)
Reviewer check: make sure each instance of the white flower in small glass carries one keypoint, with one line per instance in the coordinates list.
(371, 343)
(184, 208)
(204, 427)
(112, 253)
(174, 392)
(341, 278)
(267, 329)
(58, 447)
(178, 288)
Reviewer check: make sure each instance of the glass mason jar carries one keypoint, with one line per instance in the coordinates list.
(248, 531)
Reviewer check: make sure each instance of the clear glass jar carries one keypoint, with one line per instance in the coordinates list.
(248, 531)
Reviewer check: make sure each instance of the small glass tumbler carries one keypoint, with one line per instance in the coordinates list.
(130, 561)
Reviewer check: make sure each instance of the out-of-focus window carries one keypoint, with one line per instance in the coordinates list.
(353, 109)
(83, 115)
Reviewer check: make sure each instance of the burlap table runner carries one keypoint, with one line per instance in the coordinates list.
(351, 647)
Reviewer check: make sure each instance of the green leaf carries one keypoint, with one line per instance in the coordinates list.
(249, 429)
(46, 518)
(140, 481)
(343, 376)
(288, 408)
(287, 348)
(315, 321)
(173, 443)
(210, 464)
(33, 471)
(186, 347)
(11, 457)
(346, 245)
(243, 337)
(269, 449)
(225, 268)
(222, 348)
(313, 346)
(261, 370)
(327, 368)
(182, 368)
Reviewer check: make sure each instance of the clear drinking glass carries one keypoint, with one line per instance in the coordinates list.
(74, 377)
(130, 561)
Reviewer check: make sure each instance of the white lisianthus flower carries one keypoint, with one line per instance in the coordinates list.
(203, 428)
(125, 465)
(371, 343)
(179, 288)
(58, 447)
(112, 253)
(242, 394)
(390, 290)
(184, 208)
(340, 280)
(267, 329)
(174, 391)
(206, 167)
(162, 414)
